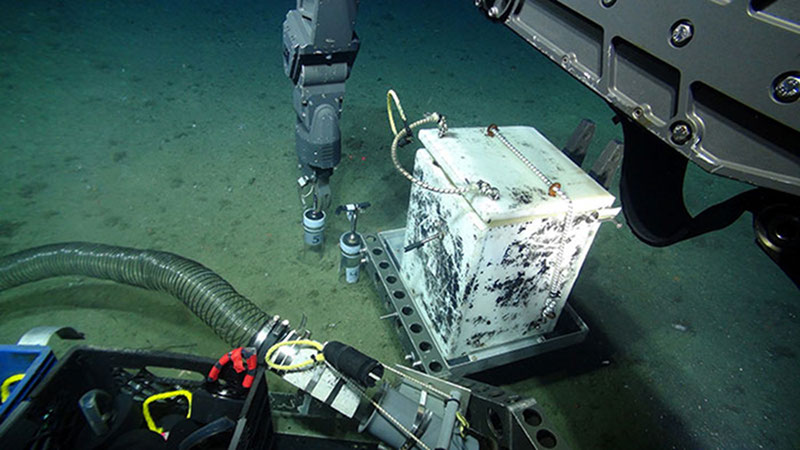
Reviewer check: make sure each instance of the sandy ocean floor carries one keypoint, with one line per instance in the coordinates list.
(169, 125)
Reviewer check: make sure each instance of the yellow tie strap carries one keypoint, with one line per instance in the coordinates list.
(164, 395)
(463, 424)
(5, 389)
(318, 357)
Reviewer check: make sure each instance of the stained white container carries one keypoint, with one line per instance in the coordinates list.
(487, 281)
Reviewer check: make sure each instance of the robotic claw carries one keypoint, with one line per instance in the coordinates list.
(319, 48)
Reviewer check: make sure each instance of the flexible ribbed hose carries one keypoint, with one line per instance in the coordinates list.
(233, 317)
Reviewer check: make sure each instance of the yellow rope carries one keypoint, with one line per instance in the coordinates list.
(318, 357)
(392, 95)
(5, 389)
(164, 395)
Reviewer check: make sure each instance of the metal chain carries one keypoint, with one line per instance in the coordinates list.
(554, 189)
(483, 188)
(493, 131)
(549, 308)
(422, 384)
(396, 423)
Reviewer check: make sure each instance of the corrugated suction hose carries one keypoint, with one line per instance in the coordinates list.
(233, 317)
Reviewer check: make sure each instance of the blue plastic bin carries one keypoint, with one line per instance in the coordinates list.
(32, 360)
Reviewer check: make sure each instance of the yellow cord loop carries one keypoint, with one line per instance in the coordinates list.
(392, 95)
(164, 395)
(318, 357)
(5, 389)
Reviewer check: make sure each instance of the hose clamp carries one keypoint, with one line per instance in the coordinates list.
(263, 334)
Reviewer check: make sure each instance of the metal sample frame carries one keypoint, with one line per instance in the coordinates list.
(384, 252)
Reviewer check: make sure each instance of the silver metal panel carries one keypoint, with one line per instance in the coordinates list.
(720, 81)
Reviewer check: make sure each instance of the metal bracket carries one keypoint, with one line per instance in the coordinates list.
(606, 165)
(42, 335)
(513, 421)
(578, 143)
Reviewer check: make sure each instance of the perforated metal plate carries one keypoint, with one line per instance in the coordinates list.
(384, 256)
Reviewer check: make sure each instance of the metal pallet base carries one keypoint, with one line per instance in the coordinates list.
(384, 256)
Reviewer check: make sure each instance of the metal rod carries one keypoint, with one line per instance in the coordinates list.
(418, 244)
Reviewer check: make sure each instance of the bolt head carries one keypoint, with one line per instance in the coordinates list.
(681, 133)
(682, 33)
(787, 88)
(608, 3)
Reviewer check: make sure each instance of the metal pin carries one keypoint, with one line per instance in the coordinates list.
(612, 220)
(422, 242)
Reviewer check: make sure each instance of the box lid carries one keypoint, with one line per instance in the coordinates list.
(469, 154)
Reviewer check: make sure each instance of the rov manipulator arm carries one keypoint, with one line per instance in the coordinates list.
(319, 48)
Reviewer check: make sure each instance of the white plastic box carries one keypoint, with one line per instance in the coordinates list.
(486, 282)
